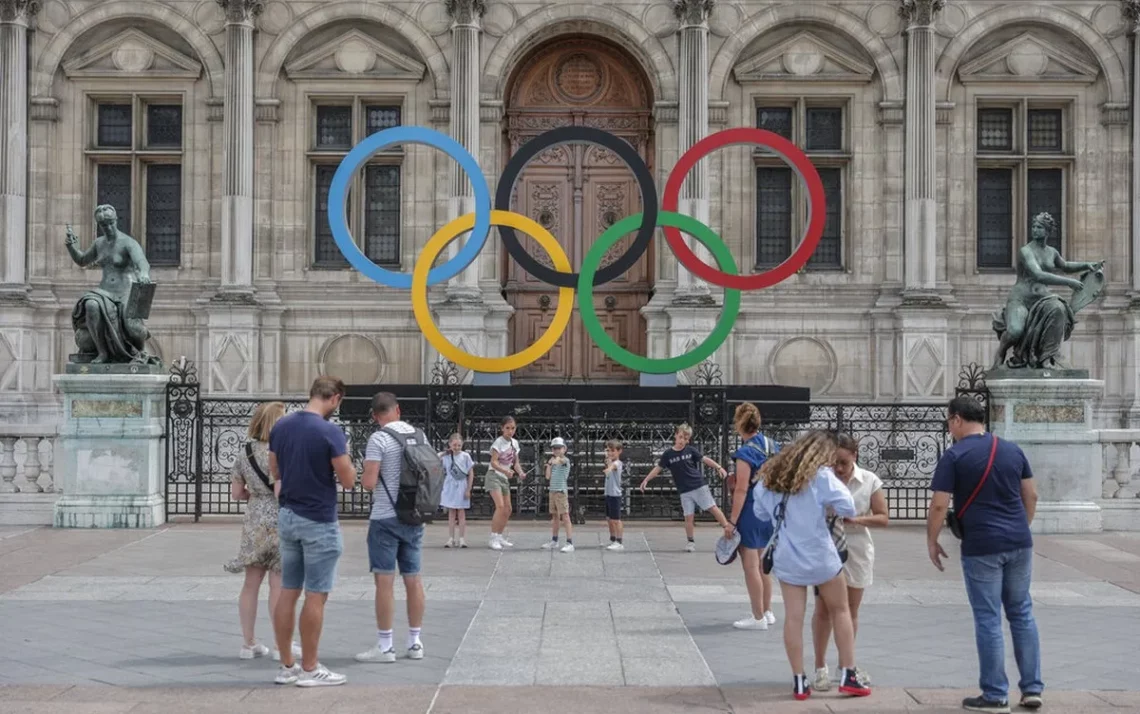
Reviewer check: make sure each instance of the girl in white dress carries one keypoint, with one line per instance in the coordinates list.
(458, 478)
(870, 512)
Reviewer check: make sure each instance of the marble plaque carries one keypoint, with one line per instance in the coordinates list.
(1049, 414)
(116, 408)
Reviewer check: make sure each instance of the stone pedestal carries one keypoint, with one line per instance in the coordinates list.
(110, 452)
(1050, 418)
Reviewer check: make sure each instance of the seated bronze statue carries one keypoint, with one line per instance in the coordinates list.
(104, 331)
(1036, 321)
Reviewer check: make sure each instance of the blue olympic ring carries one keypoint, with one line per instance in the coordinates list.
(365, 150)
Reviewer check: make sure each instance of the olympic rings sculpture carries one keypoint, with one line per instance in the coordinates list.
(592, 274)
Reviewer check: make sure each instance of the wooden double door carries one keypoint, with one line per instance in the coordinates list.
(577, 191)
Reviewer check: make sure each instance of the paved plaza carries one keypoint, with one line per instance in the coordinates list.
(117, 621)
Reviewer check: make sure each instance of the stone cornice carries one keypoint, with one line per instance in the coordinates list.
(18, 11)
(920, 13)
(465, 12)
(693, 13)
(241, 12)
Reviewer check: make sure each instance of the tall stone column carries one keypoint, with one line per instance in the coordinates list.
(1131, 10)
(14, 16)
(693, 125)
(920, 251)
(237, 167)
(466, 16)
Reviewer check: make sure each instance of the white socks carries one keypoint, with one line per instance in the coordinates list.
(384, 640)
(413, 636)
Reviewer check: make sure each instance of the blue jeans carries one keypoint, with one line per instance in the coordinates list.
(309, 552)
(391, 543)
(994, 581)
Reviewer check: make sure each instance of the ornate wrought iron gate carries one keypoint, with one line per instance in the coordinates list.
(900, 442)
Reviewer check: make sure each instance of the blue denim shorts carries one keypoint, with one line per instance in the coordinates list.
(392, 544)
(309, 552)
(613, 508)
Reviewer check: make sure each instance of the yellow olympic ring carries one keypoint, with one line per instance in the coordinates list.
(490, 365)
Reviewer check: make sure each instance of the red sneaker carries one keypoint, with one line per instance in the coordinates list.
(801, 690)
(853, 685)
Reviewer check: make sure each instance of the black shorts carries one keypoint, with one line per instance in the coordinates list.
(613, 508)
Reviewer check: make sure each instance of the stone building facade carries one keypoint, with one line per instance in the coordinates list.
(214, 127)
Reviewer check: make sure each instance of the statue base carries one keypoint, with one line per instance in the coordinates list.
(1051, 419)
(1030, 373)
(110, 452)
(75, 366)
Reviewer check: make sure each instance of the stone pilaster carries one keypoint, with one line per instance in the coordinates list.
(693, 125)
(466, 16)
(14, 16)
(920, 236)
(1131, 10)
(237, 166)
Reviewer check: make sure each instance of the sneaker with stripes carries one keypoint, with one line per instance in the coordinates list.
(320, 677)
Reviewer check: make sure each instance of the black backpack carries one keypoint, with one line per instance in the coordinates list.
(421, 479)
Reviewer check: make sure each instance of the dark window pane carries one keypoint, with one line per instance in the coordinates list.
(1046, 193)
(164, 214)
(113, 186)
(773, 214)
(382, 214)
(825, 129)
(163, 126)
(114, 126)
(377, 118)
(1045, 130)
(777, 120)
(995, 218)
(334, 127)
(828, 254)
(327, 253)
(995, 130)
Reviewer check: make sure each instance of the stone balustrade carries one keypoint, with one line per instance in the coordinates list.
(26, 459)
(1119, 479)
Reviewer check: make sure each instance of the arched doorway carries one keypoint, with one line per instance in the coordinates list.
(577, 191)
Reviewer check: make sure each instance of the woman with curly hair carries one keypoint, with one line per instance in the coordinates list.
(795, 493)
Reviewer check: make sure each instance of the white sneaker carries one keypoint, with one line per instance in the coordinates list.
(495, 543)
(770, 618)
(288, 675)
(376, 655)
(568, 548)
(296, 652)
(550, 545)
(504, 541)
(416, 651)
(690, 547)
(320, 677)
(751, 623)
(822, 681)
(252, 651)
(462, 542)
(615, 546)
(450, 542)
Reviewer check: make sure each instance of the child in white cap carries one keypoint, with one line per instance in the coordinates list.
(557, 472)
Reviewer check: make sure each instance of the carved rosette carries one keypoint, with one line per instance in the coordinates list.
(1131, 11)
(693, 12)
(18, 10)
(920, 13)
(241, 11)
(466, 12)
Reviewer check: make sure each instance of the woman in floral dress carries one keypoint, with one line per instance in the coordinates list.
(259, 553)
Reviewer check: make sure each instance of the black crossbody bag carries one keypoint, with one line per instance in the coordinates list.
(769, 552)
(256, 469)
(954, 519)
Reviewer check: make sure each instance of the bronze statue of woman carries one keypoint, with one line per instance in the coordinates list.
(1035, 321)
(104, 332)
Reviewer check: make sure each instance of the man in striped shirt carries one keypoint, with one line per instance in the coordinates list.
(557, 471)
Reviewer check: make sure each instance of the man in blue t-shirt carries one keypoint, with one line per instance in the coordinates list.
(684, 462)
(997, 549)
(308, 456)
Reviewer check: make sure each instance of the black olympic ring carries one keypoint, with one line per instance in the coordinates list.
(632, 159)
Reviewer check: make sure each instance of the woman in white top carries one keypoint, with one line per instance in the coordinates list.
(796, 490)
(504, 464)
(870, 512)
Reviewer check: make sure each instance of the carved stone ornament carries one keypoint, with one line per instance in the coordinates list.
(693, 12)
(17, 10)
(466, 12)
(920, 13)
(1131, 11)
(241, 10)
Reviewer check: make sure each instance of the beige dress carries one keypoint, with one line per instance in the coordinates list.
(860, 564)
(259, 544)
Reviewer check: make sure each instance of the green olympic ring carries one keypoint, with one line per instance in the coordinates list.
(619, 354)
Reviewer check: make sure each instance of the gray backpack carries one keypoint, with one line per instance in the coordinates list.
(421, 479)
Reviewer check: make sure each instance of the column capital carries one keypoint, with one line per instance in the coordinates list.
(18, 11)
(241, 12)
(465, 12)
(920, 13)
(1131, 11)
(693, 13)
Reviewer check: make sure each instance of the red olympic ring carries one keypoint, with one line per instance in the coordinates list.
(796, 159)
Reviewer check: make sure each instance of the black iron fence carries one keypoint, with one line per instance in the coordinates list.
(900, 442)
